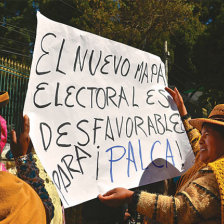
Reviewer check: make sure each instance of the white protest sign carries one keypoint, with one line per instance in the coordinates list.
(100, 116)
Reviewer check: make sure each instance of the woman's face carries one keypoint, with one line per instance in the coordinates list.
(211, 145)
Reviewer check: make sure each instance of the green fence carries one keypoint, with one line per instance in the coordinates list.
(14, 78)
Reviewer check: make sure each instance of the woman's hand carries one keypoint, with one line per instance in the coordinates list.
(23, 144)
(116, 197)
(178, 100)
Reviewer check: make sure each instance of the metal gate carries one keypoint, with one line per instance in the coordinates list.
(14, 79)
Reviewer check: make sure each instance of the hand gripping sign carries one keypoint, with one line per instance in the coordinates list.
(100, 117)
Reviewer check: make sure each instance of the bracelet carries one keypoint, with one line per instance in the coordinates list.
(23, 159)
(185, 117)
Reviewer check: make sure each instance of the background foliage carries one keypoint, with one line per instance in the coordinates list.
(194, 30)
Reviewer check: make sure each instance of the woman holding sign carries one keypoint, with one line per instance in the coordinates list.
(19, 202)
(200, 194)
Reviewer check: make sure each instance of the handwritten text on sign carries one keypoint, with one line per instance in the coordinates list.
(100, 116)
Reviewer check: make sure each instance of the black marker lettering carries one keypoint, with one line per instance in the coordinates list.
(43, 133)
(90, 63)
(145, 74)
(81, 65)
(45, 53)
(176, 123)
(82, 130)
(157, 121)
(59, 58)
(106, 62)
(77, 149)
(108, 126)
(104, 98)
(131, 127)
(161, 91)
(95, 128)
(68, 166)
(121, 124)
(139, 69)
(148, 97)
(139, 124)
(69, 94)
(167, 129)
(91, 90)
(116, 67)
(160, 74)
(133, 98)
(62, 172)
(34, 96)
(122, 96)
(61, 134)
(77, 97)
(109, 96)
(128, 67)
(154, 71)
(150, 125)
(56, 96)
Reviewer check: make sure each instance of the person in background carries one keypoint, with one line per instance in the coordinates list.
(3, 139)
(199, 197)
(19, 202)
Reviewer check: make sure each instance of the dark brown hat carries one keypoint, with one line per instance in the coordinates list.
(4, 98)
(215, 117)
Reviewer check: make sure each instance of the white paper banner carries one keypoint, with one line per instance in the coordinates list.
(100, 117)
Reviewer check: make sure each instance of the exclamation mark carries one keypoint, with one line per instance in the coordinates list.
(97, 163)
